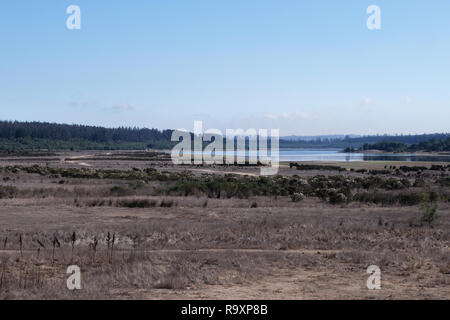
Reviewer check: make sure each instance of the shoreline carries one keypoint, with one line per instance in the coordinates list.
(416, 153)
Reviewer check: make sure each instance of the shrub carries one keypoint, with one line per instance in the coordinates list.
(119, 191)
(322, 194)
(96, 203)
(171, 282)
(138, 184)
(394, 184)
(389, 198)
(409, 198)
(444, 182)
(166, 204)
(405, 182)
(136, 203)
(315, 167)
(428, 209)
(375, 172)
(337, 197)
(297, 197)
(8, 192)
(413, 169)
(419, 183)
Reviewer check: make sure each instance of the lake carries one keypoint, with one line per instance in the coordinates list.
(335, 155)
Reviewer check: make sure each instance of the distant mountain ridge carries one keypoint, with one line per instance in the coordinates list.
(319, 137)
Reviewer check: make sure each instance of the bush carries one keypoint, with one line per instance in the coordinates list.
(297, 197)
(409, 198)
(171, 282)
(136, 203)
(315, 167)
(428, 209)
(8, 192)
(419, 183)
(375, 172)
(166, 204)
(389, 198)
(119, 191)
(405, 183)
(412, 169)
(337, 197)
(394, 184)
(95, 203)
(444, 182)
(138, 184)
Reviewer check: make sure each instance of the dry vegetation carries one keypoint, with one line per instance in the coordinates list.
(140, 227)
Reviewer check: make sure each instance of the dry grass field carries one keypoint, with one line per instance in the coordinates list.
(142, 228)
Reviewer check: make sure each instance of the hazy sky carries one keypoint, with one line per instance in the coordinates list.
(305, 67)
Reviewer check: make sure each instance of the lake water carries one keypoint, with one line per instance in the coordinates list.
(335, 155)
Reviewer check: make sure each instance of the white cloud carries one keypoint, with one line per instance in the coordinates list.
(123, 106)
(366, 102)
(408, 100)
(83, 104)
(297, 115)
(271, 116)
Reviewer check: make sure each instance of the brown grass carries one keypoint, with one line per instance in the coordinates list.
(132, 240)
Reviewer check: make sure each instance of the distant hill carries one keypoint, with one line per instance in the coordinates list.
(321, 137)
(359, 142)
(17, 136)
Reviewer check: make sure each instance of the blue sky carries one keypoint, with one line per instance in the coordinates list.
(305, 67)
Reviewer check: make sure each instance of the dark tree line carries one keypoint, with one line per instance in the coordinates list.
(432, 145)
(387, 146)
(359, 142)
(16, 135)
(43, 130)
